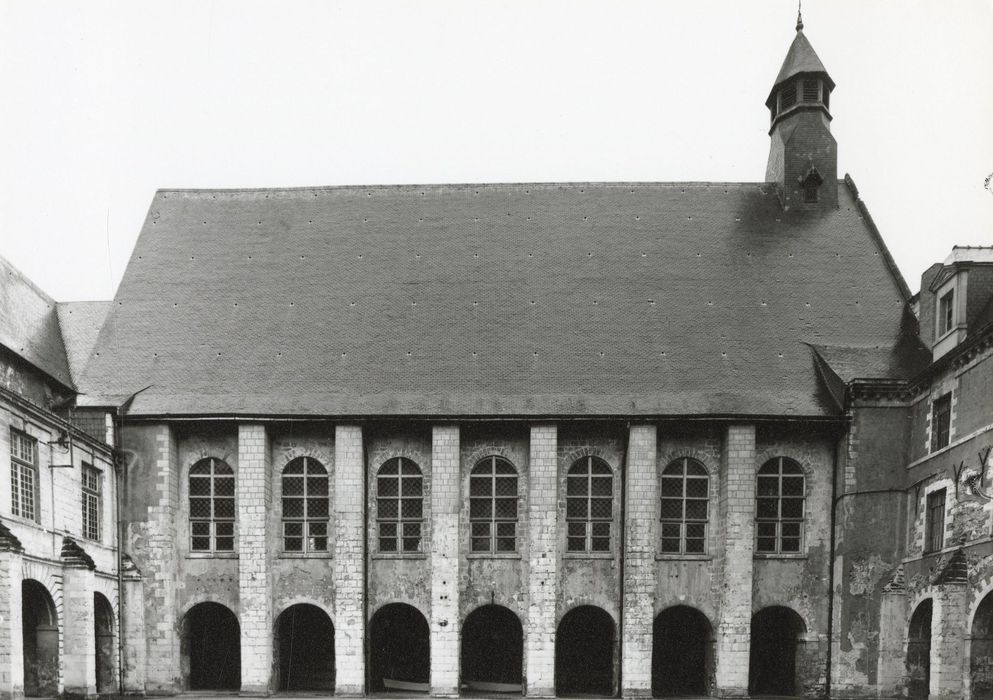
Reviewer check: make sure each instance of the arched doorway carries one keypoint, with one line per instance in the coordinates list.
(399, 650)
(40, 627)
(210, 648)
(304, 649)
(981, 651)
(106, 653)
(682, 658)
(492, 650)
(584, 652)
(919, 652)
(776, 634)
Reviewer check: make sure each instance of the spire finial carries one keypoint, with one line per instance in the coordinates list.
(799, 15)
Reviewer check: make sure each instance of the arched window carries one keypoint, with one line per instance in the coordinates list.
(685, 491)
(780, 493)
(399, 505)
(211, 506)
(589, 507)
(305, 506)
(493, 506)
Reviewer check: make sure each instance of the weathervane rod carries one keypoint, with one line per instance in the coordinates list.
(799, 15)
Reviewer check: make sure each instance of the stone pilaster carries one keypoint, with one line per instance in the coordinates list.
(134, 630)
(445, 561)
(737, 537)
(163, 672)
(949, 626)
(79, 655)
(641, 504)
(254, 496)
(348, 574)
(891, 668)
(542, 562)
(11, 634)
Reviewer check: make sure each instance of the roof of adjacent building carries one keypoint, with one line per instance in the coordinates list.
(80, 322)
(522, 299)
(29, 324)
(801, 58)
(970, 253)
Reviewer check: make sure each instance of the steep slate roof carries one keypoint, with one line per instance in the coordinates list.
(29, 324)
(524, 299)
(80, 322)
(801, 58)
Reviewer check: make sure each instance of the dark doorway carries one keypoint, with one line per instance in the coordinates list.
(106, 654)
(399, 650)
(681, 652)
(210, 648)
(981, 651)
(305, 649)
(919, 652)
(40, 626)
(584, 653)
(776, 634)
(492, 651)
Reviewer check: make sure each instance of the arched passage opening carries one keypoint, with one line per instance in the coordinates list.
(584, 652)
(304, 647)
(682, 652)
(106, 652)
(777, 632)
(399, 650)
(981, 651)
(210, 648)
(492, 650)
(919, 652)
(40, 627)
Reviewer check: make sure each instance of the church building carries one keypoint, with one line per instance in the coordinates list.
(609, 439)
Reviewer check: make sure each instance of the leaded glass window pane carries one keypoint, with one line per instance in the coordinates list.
(212, 506)
(685, 486)
(779, 507)
(493, 503)
(306, 504)
(589, 505)
(399, 505)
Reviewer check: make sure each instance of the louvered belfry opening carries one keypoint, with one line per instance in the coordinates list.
(584, 653)
(305, 649)
(40, 625)
(919, 652)
(682, 653)
(210, 648)
(777, 633)
(399, 650)
(492, 651)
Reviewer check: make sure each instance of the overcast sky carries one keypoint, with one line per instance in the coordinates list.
(101, 103)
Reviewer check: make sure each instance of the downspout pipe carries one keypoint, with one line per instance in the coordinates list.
(120, 475)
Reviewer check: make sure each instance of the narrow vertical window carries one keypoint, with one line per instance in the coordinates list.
(941, 422)
(946, 312)
(493, 506)
(92, 501)
(23, 475)
(935, 530)
(211, 506)
(305, 506)
(399, 506)
(589, 509)
(779, 509)
(685, 491)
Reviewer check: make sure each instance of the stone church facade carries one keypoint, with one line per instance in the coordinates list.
(636, 439)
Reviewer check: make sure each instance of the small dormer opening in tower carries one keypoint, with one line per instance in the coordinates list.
(811, 90)
(810, 184)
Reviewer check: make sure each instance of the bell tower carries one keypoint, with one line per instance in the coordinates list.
(803, 155)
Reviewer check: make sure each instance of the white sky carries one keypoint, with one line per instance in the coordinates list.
(103, 102)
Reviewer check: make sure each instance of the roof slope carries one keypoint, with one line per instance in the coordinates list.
(80, 322)
(29, 325)
(543, 299)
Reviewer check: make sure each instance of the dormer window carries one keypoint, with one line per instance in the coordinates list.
(811, 90)
(946, 312)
